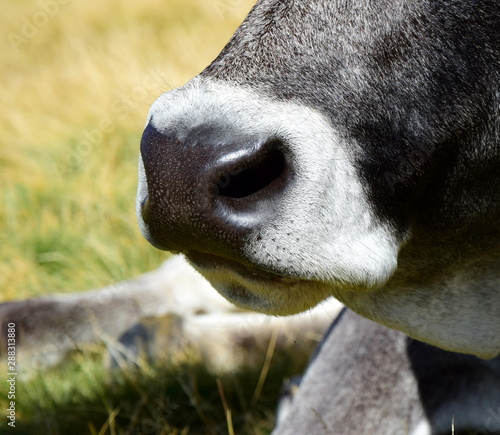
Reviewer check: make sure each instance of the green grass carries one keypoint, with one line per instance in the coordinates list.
(75, 94)
(73, 235)
(76, 87)
(82, 397)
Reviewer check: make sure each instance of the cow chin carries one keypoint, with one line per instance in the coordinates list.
(278, 296)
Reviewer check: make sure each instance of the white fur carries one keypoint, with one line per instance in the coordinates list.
(324, 232)
(423, 428)
(324, 238)
(458, 313)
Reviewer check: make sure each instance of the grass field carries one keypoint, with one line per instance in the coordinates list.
(82, 397)
(78, 78)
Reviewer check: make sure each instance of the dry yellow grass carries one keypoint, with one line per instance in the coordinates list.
(78, 78)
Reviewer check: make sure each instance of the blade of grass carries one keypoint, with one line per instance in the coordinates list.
(265, 367)
(227, 409)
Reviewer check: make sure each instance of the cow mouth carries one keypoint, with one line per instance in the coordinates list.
(209, 262)
(256, 288)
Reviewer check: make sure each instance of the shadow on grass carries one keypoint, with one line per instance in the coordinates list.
(82, 397)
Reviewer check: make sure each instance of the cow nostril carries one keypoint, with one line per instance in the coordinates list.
(247, 181)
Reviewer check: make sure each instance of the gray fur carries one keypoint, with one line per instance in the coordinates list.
(388, 112)
(369, 379)
(387, 115)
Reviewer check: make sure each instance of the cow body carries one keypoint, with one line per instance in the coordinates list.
(365, 378)
(347, 149)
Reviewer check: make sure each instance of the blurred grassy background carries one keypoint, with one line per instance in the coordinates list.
(78, 79)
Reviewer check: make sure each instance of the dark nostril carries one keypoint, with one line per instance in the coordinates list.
(255, 177)
(207, 188)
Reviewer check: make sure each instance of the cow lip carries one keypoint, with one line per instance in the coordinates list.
(204, 261)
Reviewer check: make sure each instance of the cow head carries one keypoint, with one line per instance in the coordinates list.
(346, 149)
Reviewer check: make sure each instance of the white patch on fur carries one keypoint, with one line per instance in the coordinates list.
(423, 428)
(325, 238)
(324, 232)
(458, 313)
(142, 193)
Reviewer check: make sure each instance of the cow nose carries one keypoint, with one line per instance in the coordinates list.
(207, 188)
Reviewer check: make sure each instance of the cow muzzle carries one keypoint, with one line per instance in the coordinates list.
(262, 197)
(209, 187)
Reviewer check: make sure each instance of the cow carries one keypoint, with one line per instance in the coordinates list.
(366, 378)
(347, 149)
(333, 148)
